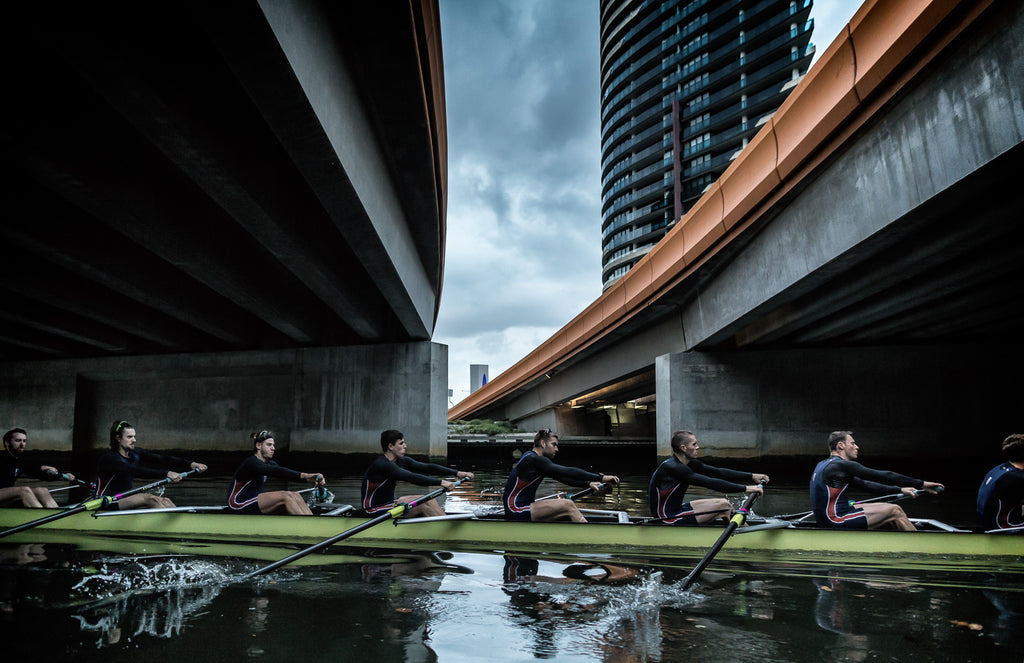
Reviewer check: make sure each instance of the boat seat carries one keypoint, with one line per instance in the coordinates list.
(338, 510)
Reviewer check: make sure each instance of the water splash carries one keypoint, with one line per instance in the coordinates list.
(118, 576)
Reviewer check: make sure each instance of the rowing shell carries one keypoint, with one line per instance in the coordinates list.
(464, 532)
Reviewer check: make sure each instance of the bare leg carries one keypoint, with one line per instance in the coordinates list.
(711, 509)
(879, 515)
(557, 509)
(144, 501)
(44, 497)
(427, 509)
(283, 501)
(21, 494)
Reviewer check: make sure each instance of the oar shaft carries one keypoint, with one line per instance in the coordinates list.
(734, 522)
(77, 482)
(43, 521)
(140, 489)
(323, 544)
(651, 521)
(90, 505)
(394, 512)
(892, 497)
(590, 490)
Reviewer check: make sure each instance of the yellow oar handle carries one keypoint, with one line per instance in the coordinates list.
(399, 510)
(97, 503)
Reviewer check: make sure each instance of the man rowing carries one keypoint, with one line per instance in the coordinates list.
(839, 471)
(670, 481)
(377, 492)
(117, 469)
(247, 495)
(36, 497)
(1001, 495)
(520, 494)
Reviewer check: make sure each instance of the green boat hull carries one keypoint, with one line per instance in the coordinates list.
(629, 541)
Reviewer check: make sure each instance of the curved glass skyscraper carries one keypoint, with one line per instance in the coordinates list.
(685, 84)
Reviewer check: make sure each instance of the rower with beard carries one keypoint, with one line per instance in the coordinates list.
(247, 494)
(124, 462)
(520, 494)
(377, 491)
(832, 476)
(670, 481)
(36, 497)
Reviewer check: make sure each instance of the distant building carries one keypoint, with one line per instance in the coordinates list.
(685, 84)
(477, 376)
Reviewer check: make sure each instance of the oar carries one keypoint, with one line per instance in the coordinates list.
(1006, 530)
(651, 521)
(734, 522)
(882, 498)
(79, 482)
(586, 492)
(396, 511)
(90, 505)
(572, 496)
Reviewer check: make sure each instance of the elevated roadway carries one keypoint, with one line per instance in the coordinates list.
(859, 266)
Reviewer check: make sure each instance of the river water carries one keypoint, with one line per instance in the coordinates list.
(92, 601)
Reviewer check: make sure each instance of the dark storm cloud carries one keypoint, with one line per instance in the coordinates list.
(523, 244)
(523, 252)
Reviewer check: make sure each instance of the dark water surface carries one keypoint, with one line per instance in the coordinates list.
(62, 600)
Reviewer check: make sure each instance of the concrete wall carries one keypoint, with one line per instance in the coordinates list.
(899, 402)
(316, 399)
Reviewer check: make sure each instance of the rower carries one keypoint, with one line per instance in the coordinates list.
(34, 497)
(519, 496)
(247, 495)
(839, 471)
(377, 492)
(1001, 495)
(672, 478)
(124, 462)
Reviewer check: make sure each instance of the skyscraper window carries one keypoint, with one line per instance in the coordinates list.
(683, 89)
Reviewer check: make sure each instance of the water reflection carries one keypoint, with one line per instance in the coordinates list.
(413, 606)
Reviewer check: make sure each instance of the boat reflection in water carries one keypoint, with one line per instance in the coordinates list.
(138, 599)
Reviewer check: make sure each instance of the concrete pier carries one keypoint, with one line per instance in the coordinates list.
(899, 402)
(334, 399)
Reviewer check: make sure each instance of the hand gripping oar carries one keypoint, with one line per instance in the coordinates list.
(586, 492)
(77, 482)
(734, 522)
(590, 490)
(90, 505)
(396, 511)
(894, 497)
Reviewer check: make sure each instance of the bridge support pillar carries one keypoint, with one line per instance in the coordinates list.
(328, 399)
(899, 401)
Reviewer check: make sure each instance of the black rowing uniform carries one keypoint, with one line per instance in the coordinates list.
(114, 472)
(1001, 496)
(248, 482)
(377, 491)
(673, 477)
(9, 470)
(521, 487)
(834, 475)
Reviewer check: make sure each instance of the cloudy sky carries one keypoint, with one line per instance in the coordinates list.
(524, 173)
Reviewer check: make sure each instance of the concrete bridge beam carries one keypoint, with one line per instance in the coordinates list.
(899, 401)
(335, 399)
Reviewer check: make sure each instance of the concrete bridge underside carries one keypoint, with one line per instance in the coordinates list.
(215, 196)
(882, 296)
